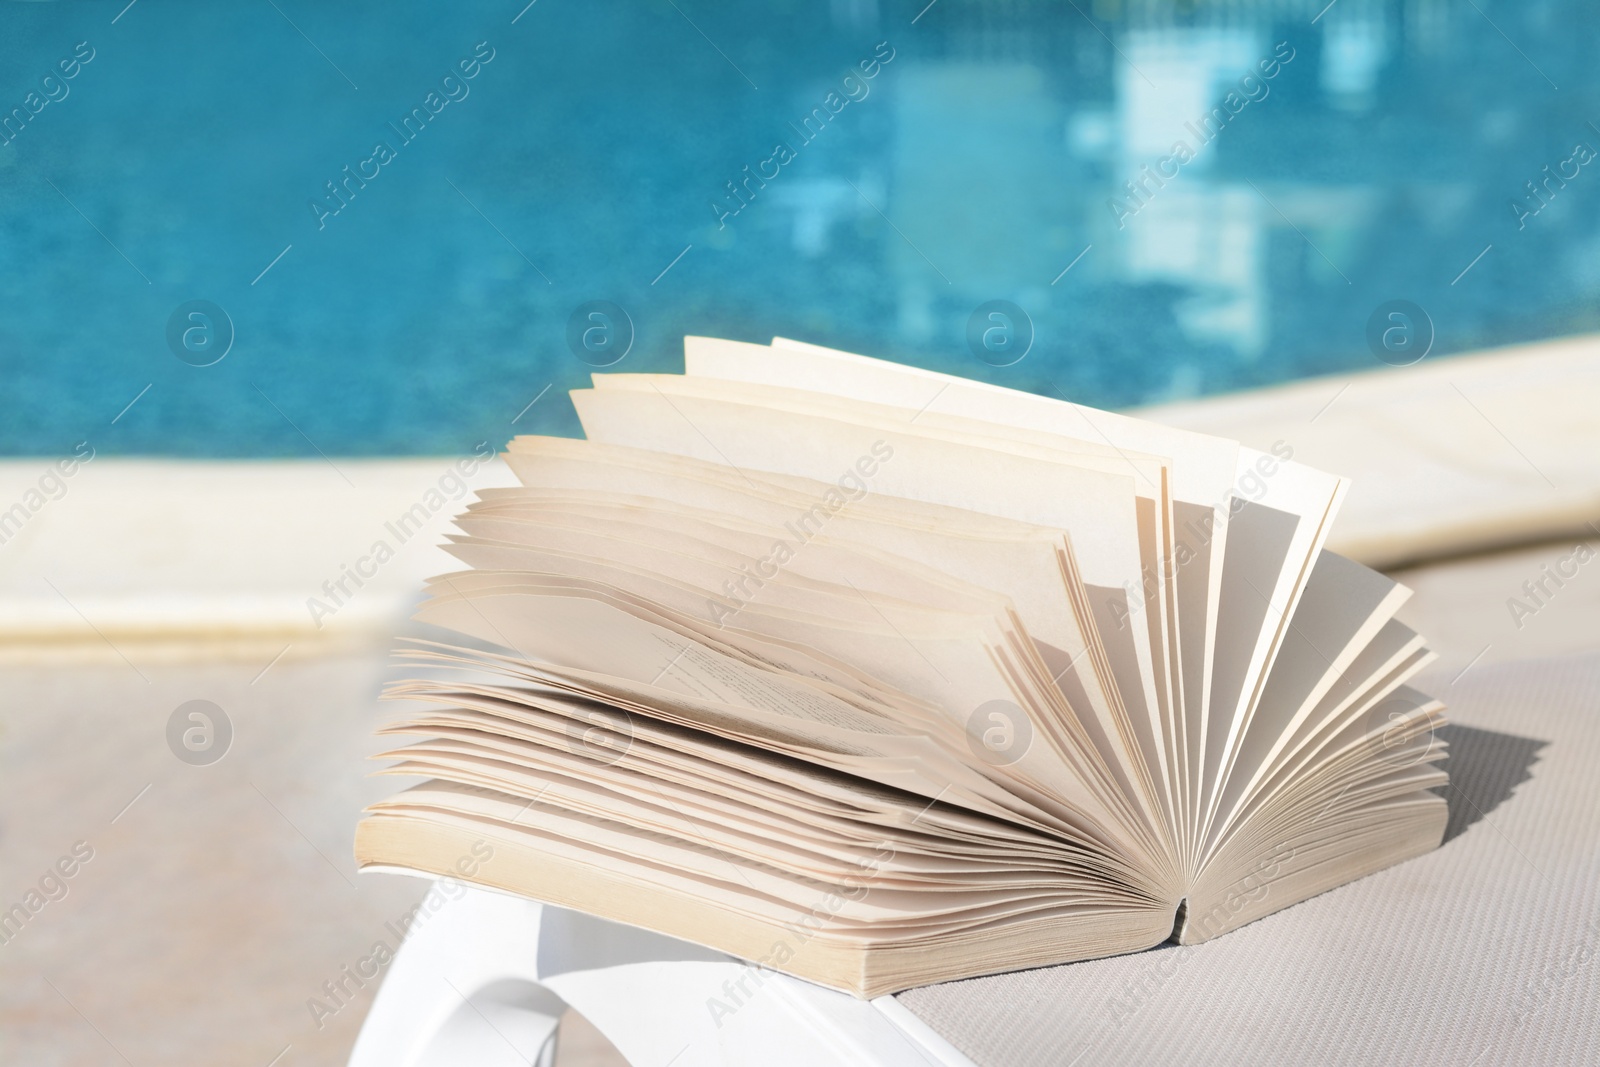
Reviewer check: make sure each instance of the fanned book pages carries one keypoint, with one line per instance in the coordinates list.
(881, 677)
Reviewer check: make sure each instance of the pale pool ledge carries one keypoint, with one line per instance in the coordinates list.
(154, 559)
(1450, 456)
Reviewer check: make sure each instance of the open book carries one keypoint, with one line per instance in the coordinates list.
(881, 677)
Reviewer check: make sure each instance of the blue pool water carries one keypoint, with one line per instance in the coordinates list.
(395, 210)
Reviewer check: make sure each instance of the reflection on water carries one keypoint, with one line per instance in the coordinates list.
(1182, 199)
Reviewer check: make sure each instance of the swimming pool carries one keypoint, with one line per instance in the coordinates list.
(393, 223)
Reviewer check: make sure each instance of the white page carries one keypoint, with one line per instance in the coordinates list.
(1097, 509)
(1204, 468)
(1273, 542)
(994, 553)
(1343, 609)
(1148, 720)
(1248, 636)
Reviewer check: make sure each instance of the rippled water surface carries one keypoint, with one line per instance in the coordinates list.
(280, 227)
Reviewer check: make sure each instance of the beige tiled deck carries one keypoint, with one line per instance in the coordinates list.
(219, 898)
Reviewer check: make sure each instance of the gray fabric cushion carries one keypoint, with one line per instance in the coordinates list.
(1483, 952)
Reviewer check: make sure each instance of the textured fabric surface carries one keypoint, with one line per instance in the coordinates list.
(1482, 952)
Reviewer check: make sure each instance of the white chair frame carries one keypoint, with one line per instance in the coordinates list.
(485, 980)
